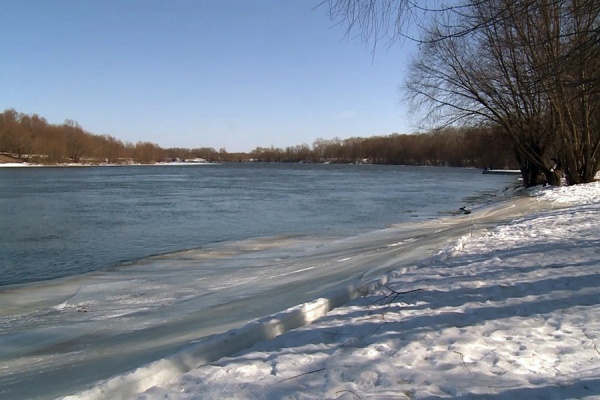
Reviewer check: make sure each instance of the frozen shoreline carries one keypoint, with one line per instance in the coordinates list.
(483, 265)
(511, 311)
(150, 310)
(460, 281)
(71, 165)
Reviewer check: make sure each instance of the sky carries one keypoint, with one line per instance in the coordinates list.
(232, 74)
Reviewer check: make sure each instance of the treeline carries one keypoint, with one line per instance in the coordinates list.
(31, 138)
(454, 147)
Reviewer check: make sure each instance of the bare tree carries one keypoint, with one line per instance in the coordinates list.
(76, 140)
(484, 77)
(529, 67)
(573, 79)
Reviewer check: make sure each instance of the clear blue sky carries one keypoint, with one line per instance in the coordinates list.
(198, 73)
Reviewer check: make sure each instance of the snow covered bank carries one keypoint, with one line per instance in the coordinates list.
(504, 313)
(16, 165)
(220, 345)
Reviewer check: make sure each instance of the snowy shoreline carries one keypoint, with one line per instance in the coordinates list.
(510, 311)
(77, 165)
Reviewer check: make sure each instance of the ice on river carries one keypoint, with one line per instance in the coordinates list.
(509, 312)
(499, 302)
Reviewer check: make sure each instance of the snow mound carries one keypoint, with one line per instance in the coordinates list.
(569, 195)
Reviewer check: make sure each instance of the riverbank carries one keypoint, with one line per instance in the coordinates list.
(67, 165)
(510, 312)
(146, 262)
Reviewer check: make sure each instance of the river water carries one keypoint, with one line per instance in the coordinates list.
(105, 269)
(58, 222)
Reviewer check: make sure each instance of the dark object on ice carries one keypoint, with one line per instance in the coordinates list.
(465, 211)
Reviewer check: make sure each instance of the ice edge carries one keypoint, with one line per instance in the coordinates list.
(216, 346)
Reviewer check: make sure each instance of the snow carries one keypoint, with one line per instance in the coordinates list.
(16, 165)
(579, 194)
(511, 311)
(499, 303)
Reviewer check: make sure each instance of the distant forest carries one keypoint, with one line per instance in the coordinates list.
(30, 138)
